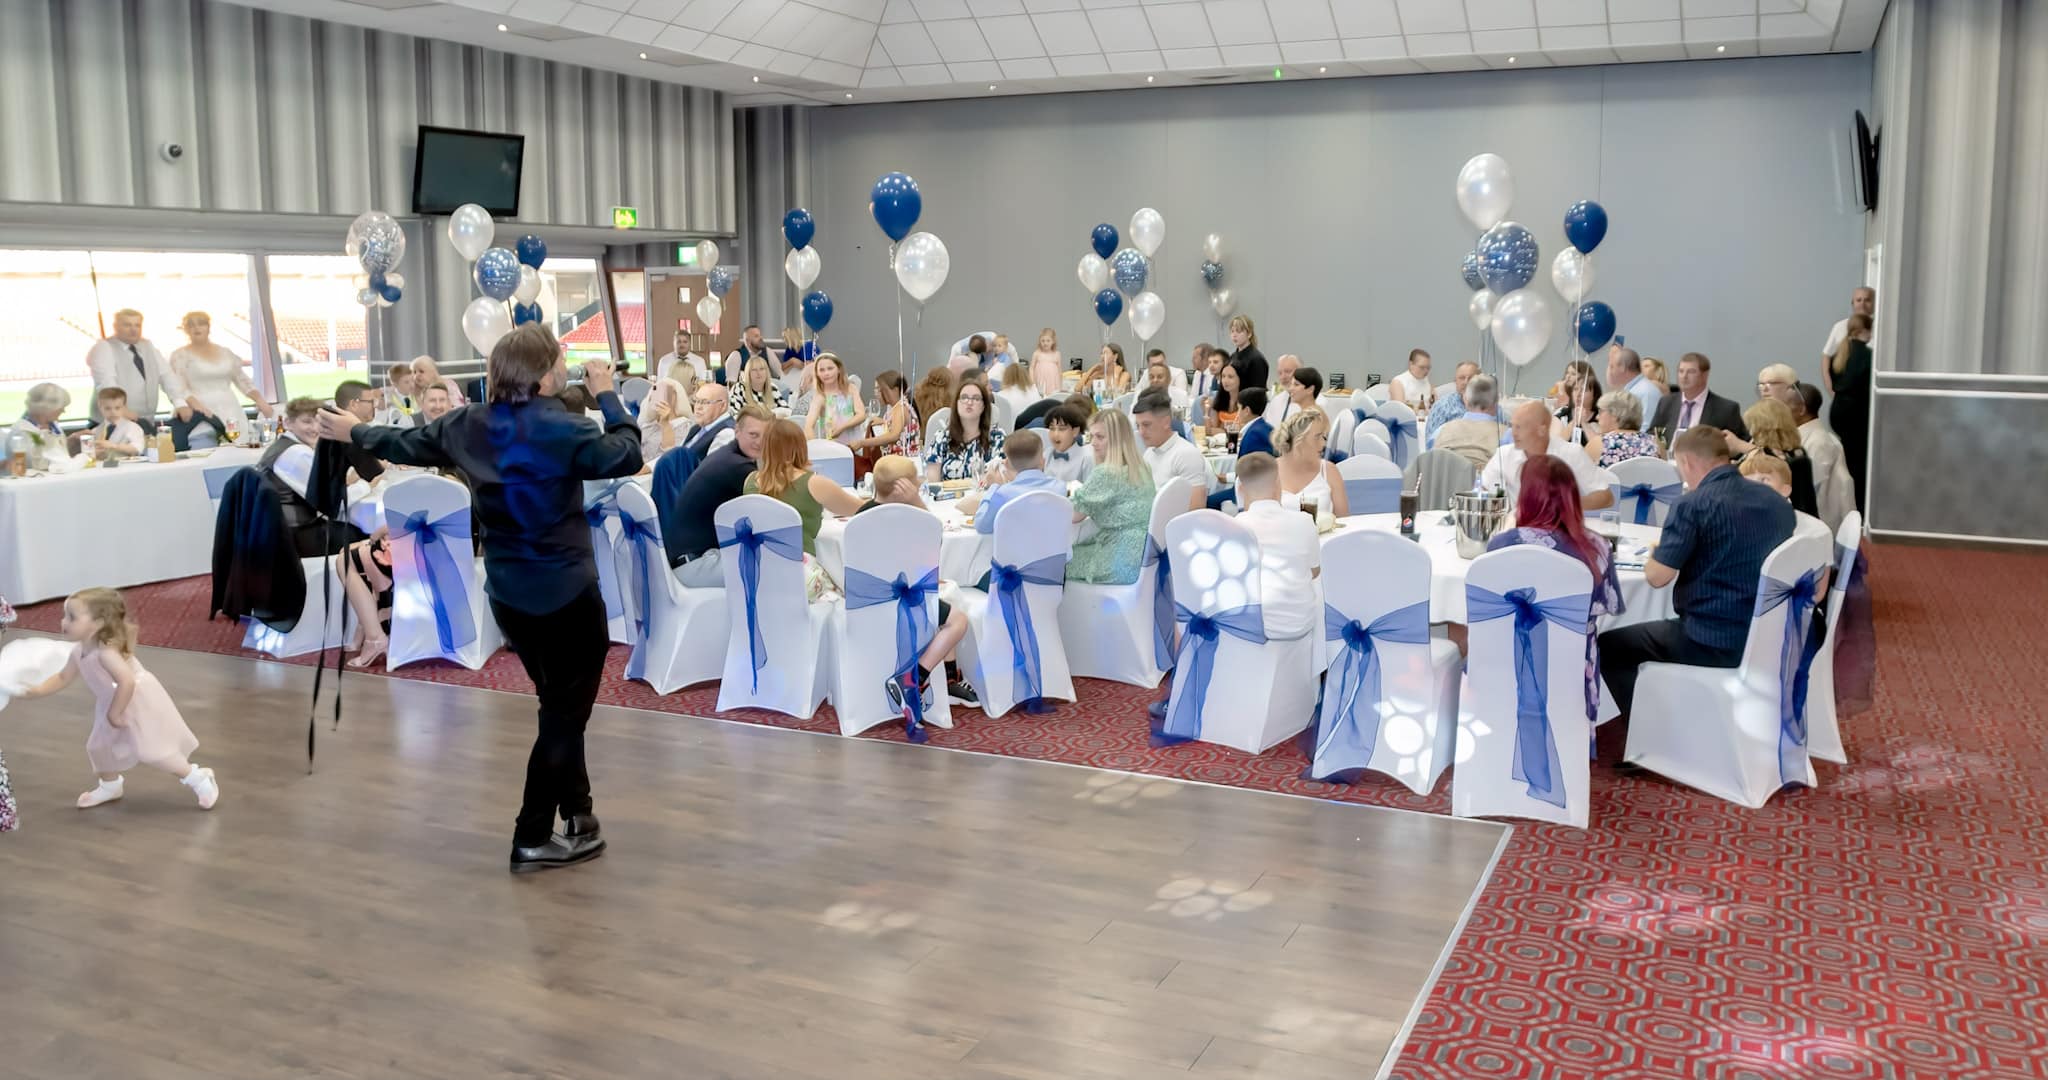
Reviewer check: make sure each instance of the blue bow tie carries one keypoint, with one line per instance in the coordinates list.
(1061, 455)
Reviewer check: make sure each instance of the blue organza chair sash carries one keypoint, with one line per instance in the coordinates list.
(1199, 634)
(1373, 494)
(1352, 728)
(913, 622)
(1645, 494)
(787, 542)
(1401, 437)
(595, 512)
(440, 547)
(1162, 603)
(1535, 762)
(1007, 582)
(1795, 665)
(636, 539)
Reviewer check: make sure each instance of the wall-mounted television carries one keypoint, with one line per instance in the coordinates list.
(452, 167)
(1867, 149)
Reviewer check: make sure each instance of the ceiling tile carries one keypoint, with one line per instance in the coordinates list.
(1781, 7)
(1555, 38)
(789, 64)
(748, 17)
(929, 10)
(1065, 33)
(1081, 64)
(680, 38)
(1375, 48)
(876, 77)
(1191, 59)
(958, 40)
(1365, 18)
(1669, 32)
(907, 44)
(1301, 20)
(635, 28)
(1037, 6)
(1179, 26)
(1503, 41)
(754, 56)
(1640, 54)
(1710, 50)
(924, 74)
(895, 11)
(614, 5)
(1500, 14)
(1036, 67)
(830, 28)
(1122, 30)
(1707, 9)
(787, 24)
(1238, 22)
(1094, 5)
(1388, 67)
(1452, 63)
(1859, 24)
(983, 71)
(829, 72)
(1260, 54)
(590, 20)
(1829, 12)
(718, 47)
(1431, 16)
(1421, 45)
(542, 11)
(1800, 26)
(658, 10)
(1011, 37)
(1140, 61)
(1621, 11)
(864, 10)
(983, 9)
(1571, 12)
(1312, 52)
(1728, 28)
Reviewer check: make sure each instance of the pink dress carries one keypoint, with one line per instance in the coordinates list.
(155, 731)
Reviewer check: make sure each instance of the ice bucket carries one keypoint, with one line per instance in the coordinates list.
(1477, 517)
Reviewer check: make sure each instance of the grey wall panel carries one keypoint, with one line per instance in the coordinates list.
(1976, 480)
(602, 158)
(103, 171)
(394, 82)
(346, 177)
(568, 165)
(637, 186)
(167, 105)
(527, 111)
(290, 104)
(33, 166)
(231, 138)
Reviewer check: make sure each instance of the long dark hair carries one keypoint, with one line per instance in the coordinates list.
(956, 436)
(1550, 501)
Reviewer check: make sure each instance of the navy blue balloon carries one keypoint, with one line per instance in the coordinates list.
(1103, 239)
(1130, 268)
(377, 281)
(798, 228)
(1108, 305)
(389, 292)
(1474, 280)
(817, 310)
(1594, 325)
(525, 313)
(532, 251)
(1212, 273)
(1585, 225)
(497, 273)
(721, 280)
(1508, 257)
(896, 204)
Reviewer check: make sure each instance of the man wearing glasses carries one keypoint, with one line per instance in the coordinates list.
(713, 420)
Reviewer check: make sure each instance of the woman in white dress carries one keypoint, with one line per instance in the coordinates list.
(1411, 387)
(208, 375)
(1299, 443)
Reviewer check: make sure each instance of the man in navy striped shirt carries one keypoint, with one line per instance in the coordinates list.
(1714, 545)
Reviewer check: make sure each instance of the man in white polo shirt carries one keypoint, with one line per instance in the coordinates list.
(1532, 436)
(1290, 552)
(1862, 302)
(1167, 454)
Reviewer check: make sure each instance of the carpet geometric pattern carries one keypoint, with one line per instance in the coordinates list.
(1892, 923)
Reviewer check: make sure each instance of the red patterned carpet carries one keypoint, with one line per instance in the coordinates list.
(1892, 923)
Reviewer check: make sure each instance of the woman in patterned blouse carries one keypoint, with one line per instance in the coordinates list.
(1621, 431)
(970, 439)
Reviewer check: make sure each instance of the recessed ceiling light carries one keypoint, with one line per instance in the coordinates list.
(502, 28)
(643, 56)
(1322, 71)
(1148, 78)
(1720, 48)
(757, 78)
(1511, 59)
(849, 97)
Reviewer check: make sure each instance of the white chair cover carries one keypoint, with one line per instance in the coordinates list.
(1127, 402)
(940, 420)
(1342, 430)
(1005, 413)
(634, 391)
(1516, 759)
(1645, 489)
(601, 511)
(1737, 733)
(438, 606)
(1437, 474)
(1124, 633)
(1390, 700)
(1232, 685)
(325, 604)
(1823, 724)
(1014, 645)
(777, 655)
(885, 544)
(1372, 485)
(678, 633)
(1376, 393)
(833, 461)
(1366, 441)
(1404, 435)
(1333, 402)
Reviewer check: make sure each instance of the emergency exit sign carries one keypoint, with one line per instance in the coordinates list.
(625, 217)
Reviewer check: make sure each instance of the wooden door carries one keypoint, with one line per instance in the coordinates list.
(672, 295)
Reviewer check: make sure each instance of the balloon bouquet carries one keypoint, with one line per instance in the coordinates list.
(501, 274)
(1220, 296)
(1501, 265)
(1130, 268)
(377, 243)
(801, 267)
(1593, 323)
(919, 260)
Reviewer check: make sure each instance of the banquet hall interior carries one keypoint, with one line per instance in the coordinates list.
(1437, 539)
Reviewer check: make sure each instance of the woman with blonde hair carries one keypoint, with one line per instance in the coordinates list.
(1045, 363)
(1773, 431)
(837, 411)
(1117, 496)
(1655, 371)
(785, 474)
(665, 415)
(756, 386)
(210, 374)
(1018, 389)
(1299, 442)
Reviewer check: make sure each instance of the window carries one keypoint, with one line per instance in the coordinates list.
(570, 301)
(322, 335)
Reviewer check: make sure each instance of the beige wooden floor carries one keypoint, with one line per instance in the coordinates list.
(774, 904)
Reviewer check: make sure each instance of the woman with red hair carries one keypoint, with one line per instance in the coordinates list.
(1548, 515)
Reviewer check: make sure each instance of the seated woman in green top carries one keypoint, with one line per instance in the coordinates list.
(785, 474)
(1117, 496)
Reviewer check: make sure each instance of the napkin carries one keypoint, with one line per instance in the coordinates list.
(29, 661)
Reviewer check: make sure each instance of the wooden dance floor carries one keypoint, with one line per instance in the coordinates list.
(773, 904)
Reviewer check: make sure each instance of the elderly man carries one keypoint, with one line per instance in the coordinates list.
(1834, 493)
(1477, 434)
(1532, 437)
(1625, 372)
(129, 361)
(1694, 403)
(1450, 406)
(1283, 405)
(1713, 545)
(1862, 301)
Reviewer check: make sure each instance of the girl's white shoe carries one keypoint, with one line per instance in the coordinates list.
(107, 792)
(203, 785)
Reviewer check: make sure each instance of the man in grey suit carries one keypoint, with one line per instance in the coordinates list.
(129, 361)
(1694, 404)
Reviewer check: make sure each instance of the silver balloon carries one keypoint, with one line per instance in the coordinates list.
(1480, 307)
(1522, 325)
(367, 296)
(801, 266)
(1130, 268)
(497, 273)
(1212, 248)
(376, 241)
(1094, 273)
(1224, 301)
(1571, 274)
(707, 254)
(1486, 189)
(484, 321)
(529, 284)
(709, 309)
(470, 231)
(1148, 314)
(1148, 231)
(922, 265)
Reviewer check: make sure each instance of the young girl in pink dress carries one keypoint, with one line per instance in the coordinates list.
(135, 722)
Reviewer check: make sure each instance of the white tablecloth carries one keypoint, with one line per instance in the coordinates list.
(964, 554)
(129, 525)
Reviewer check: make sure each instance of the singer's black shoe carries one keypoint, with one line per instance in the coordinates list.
(582, 826)
(558, 851)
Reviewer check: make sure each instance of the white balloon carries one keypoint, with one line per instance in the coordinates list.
(707, 255)
(1212, 248)
(484, 321)
(708, 310)
(1522, 326)
(1485, 190)
(922, 265)
(470, 231)
(529, 284)
(1094, 273)
(1148, 314)
(802, 265)
(1148, 231)
(1571, 274)
(1223, 301)
(1480, 307)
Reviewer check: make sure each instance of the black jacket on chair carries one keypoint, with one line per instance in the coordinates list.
(256, 568)
(1716, 411)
